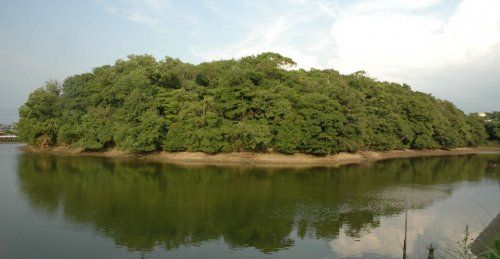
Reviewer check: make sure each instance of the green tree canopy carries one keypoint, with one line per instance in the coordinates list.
(256, 104)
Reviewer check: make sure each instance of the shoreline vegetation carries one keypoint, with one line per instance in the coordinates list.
(256, 104)
(261, 159)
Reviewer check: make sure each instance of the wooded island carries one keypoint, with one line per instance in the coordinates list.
(254, 104)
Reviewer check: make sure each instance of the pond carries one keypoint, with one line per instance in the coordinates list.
(91, 207)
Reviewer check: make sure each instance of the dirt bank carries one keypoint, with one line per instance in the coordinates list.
(266, 159)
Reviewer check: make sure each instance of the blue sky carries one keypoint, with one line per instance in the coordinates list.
(450, 49)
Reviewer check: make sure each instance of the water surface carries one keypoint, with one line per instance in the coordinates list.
(88, 207)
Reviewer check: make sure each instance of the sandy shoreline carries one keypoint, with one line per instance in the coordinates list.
(264, 159)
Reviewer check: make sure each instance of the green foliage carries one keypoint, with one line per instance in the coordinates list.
(255, 104)
(40, 115)
(492, 125)
(494, 252)
(94, 132)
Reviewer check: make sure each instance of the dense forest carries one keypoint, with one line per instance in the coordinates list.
(257, 104)
(492, 125)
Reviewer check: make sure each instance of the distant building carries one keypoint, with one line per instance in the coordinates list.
(6, 129)
(481, 114)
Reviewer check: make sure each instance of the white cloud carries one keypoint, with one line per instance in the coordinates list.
(255, 42)
(421, 48)
(393, 45)
(398, 5)
(384, 43)
(156, 14)
(385, 37)
(281, 31)
(391, 39)
(146, 12)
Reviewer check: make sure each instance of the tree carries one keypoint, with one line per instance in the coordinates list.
(39, 116)
(256, 104)
(492, 125)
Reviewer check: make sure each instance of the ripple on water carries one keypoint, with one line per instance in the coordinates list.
(412, 197)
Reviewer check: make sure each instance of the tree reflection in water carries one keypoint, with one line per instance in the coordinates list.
(142, 205)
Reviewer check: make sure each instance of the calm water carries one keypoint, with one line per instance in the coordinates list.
(83, 207)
